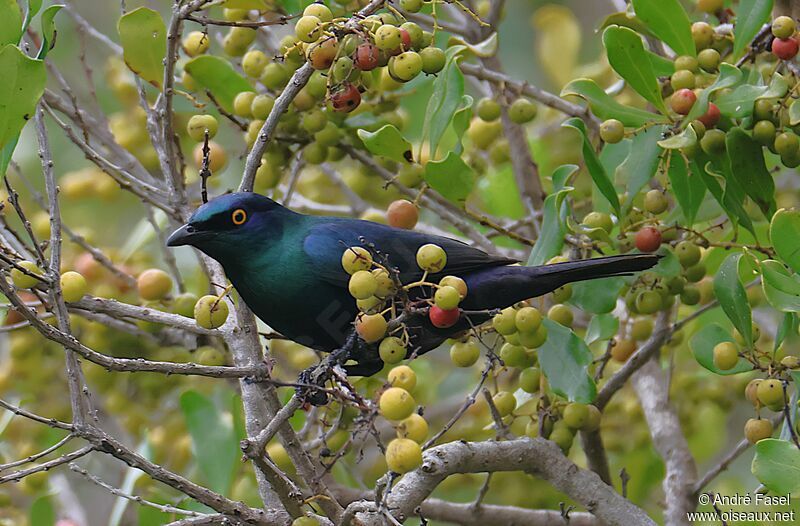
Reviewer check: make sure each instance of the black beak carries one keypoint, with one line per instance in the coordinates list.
(182, 236)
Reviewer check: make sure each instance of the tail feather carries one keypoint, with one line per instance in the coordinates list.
(603, 267)
(499, 287)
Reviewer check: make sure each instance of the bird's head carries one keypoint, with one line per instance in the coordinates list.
(228, 225)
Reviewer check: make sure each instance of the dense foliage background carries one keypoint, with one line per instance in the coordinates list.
(543, 131)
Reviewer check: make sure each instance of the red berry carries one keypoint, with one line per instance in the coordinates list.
(443, 318)
(711, 117)
(402, 214)
(785, 48)
(682, 101)
(367, 57)
(346, 99)
(648, 239)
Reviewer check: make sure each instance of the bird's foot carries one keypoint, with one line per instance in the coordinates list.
(312, 380)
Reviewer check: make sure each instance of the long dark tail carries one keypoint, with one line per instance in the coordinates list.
(499, 287)
(604, 267)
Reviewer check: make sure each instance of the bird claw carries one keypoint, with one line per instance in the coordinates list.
(311, 381)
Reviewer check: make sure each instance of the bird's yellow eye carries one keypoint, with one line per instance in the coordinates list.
(238, 217)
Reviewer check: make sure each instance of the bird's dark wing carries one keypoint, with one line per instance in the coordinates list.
(327, 240)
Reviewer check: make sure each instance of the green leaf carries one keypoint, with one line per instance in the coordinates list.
(551, 236)
(10, 22)
(749, 169)
(732, 297)
(144, 43)
(783, 231)
(33, 7)
(451, 177)
(601, 327)
(728, 77)
(48, 30)
(667, 20)
(702, 345)
(794, 112)
(565, 361)
(597, 296)
(483, 49)
(732, 206)
(687, 187)
(662, 67)
(596, 170)
(461, 119)
(642, 161)
(739, 102)
(777, 465)
(627, 56)
(23, 84)
(684, 139)
(6, 153)
(626, 19)
(500, 194)
(214, 441)
(605, 107)
(750, 16)
(245, 4)
(778, 87)
(42, 512)
(781, 287)
(448, 92)
(218, 76)
(388, 142)
(787, 327)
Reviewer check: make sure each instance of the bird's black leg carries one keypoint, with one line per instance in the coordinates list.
(313, 378)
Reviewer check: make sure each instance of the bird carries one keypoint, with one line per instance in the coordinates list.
(287, 267)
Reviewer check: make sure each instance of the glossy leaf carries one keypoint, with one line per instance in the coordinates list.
(777, 465)
(448, 92)
(794, 112)
(604, 106)
(565, 361)
(627, 56)
(730, 293)
(787, 327)
(626, 19)
(596, 296)
(781, 288)
(778, 87)
(739, 102)
(483, 49)
(601, 179)
(687, 186)
(749, 169)
(702, 345)
(783, 232)
(48, 30)
(732, 207)
(461, 119)
(551, 236)
(662, 67)
(641, 164)
(728, 77)
(667, 20)
(144, 43)
(10, 22)
(751, 15)
(684, 139)
(601, 327)
(33, 8)
(387, 142)
(214, 442)
(23, 84)
(451, 177)
(218, 76)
